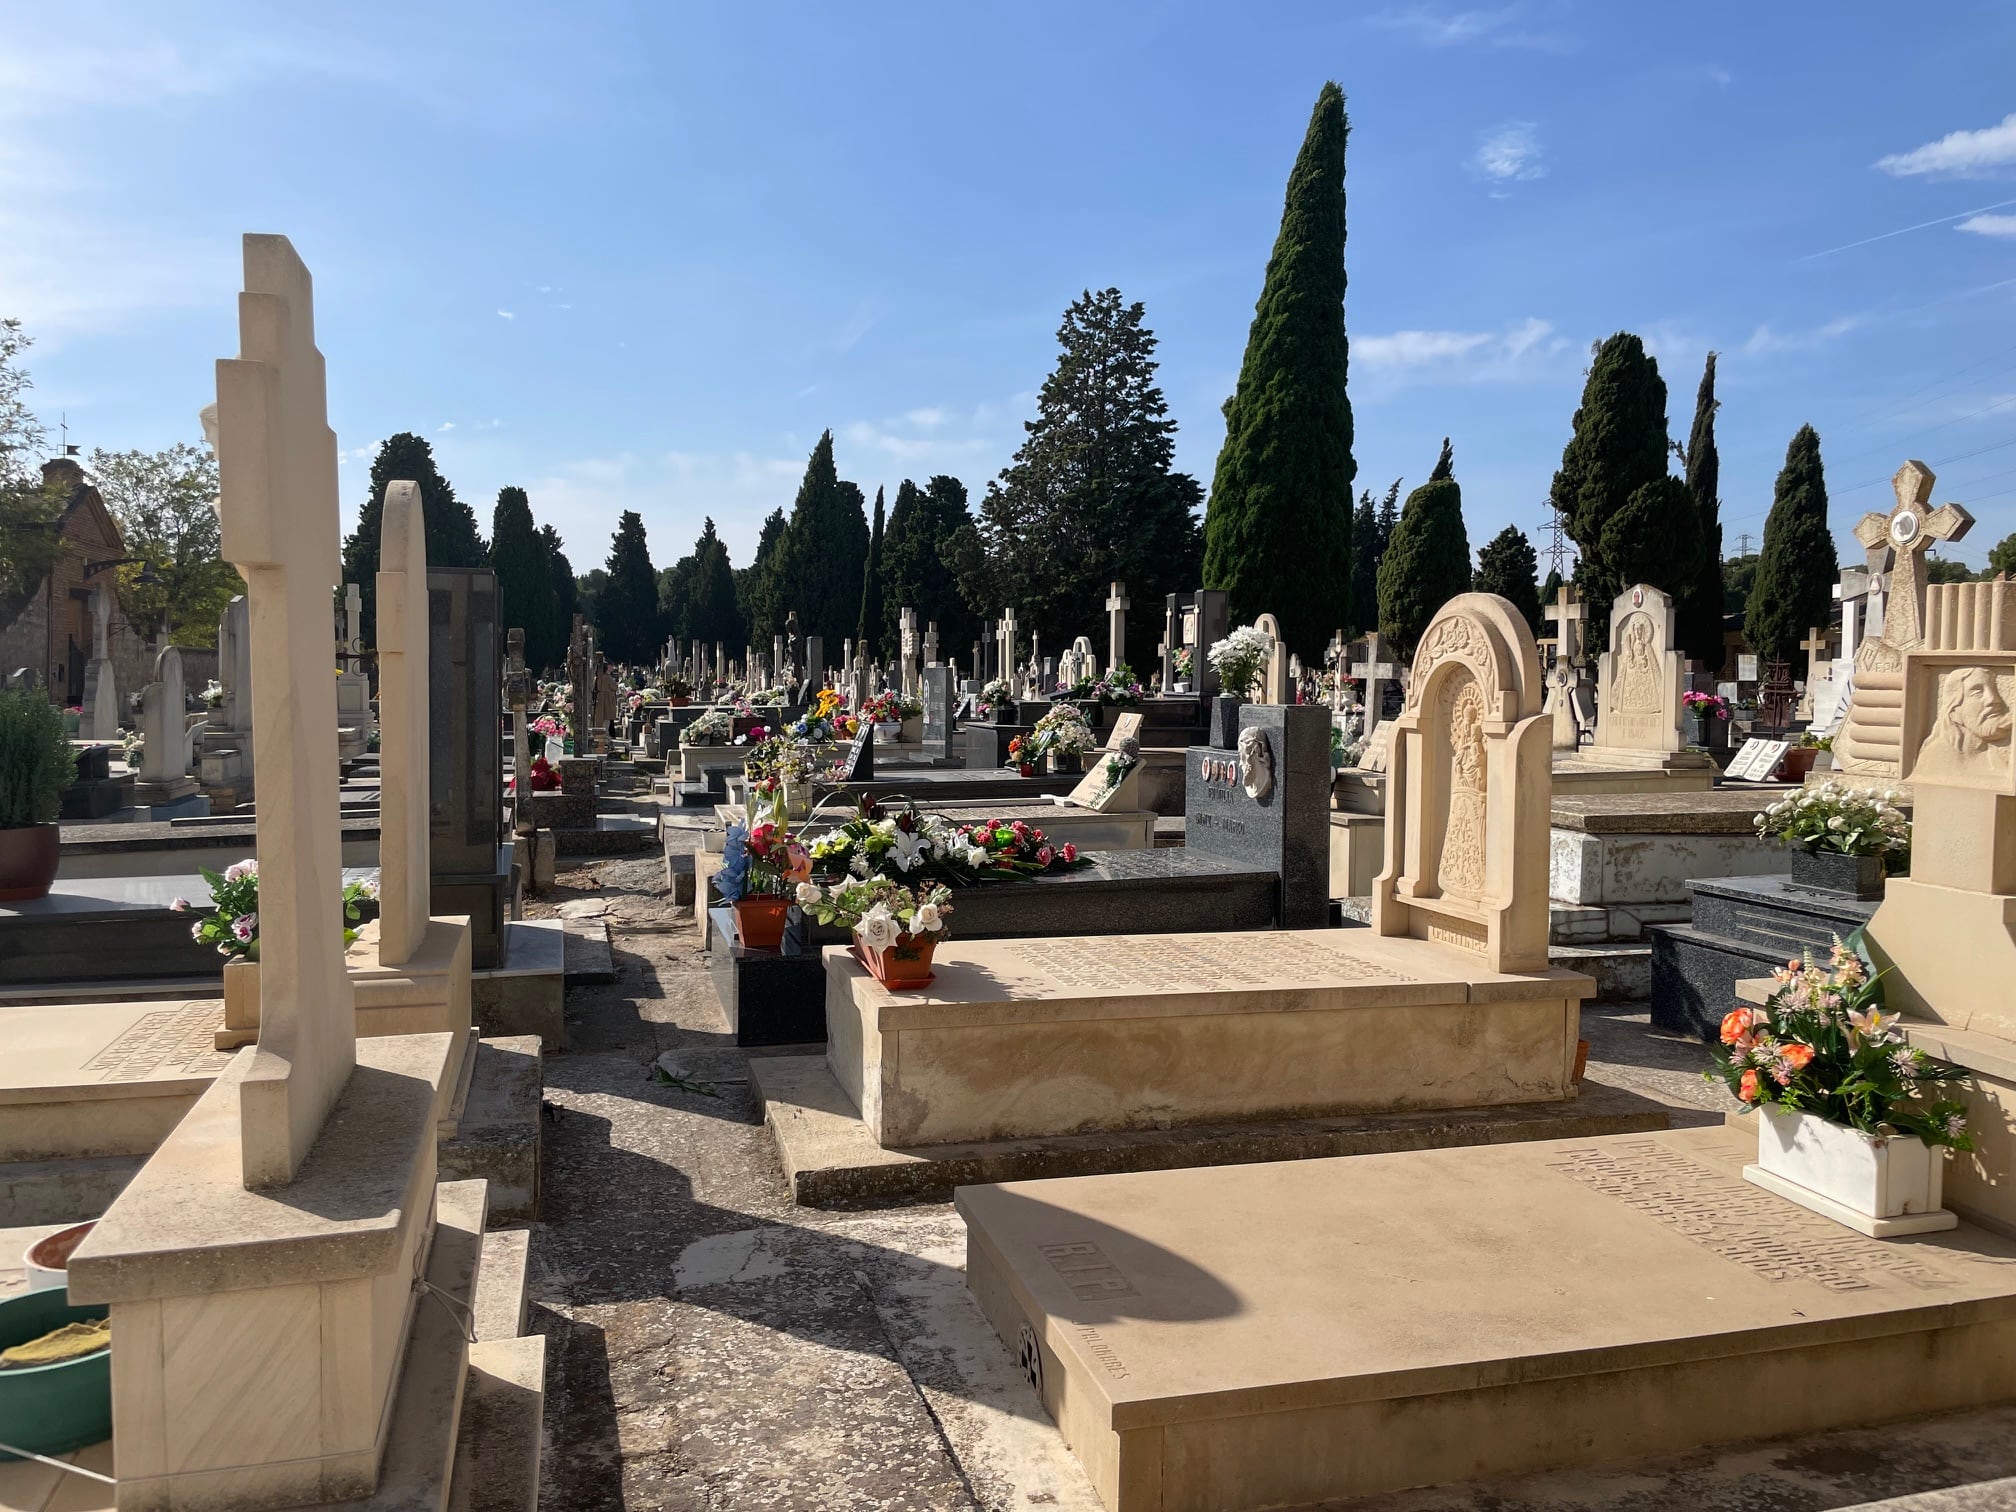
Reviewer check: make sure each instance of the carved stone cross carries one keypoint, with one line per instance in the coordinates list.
(1815, 647)
(1568, 613)
(1376, 670)
(1910, 530)
(1116, 624)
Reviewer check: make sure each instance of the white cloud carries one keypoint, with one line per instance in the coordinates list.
(508, 314)
(1765, 341)
(1989, 225)
(1510, 153)
(928, 418)
(1958, 154)
(445, 425)
(1498, 26)
(1456, 356)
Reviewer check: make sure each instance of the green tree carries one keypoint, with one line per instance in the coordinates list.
(626, 605)
(1618, 447)
(29, 508)
(824, 550)
(566, 596)
(1371, 528)
(713, 614)
(894, 552)
(1089, 497)
(1796, 569)
(1428, 560)
(1550, 591)
(166, 506)
(525, 578)
(1656, 536)
(1508, 567)
(1700, 606)
(870, 641)
(1939, 570)
(2002, 557)
(1739, 576)
(759, 588)
(920, 561)
(1277, 536)
(452, 540)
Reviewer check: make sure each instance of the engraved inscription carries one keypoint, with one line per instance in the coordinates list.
(1454, 932)
(1096, 1346)
(1175, 963)
(1744, 1224)
(1087, 1271)
(172, 1042)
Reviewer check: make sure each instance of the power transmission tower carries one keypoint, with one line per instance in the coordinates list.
(1557, 549)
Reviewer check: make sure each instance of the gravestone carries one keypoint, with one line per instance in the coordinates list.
(1274, 680)
(1640, 680)
(815, 665)
(857, 759)
(1116, 624)
(353, 628)
(164, 726)
(938, 710)
(1265, 804)
(908, 648)
(1376, 675)
(100, 717)
(471, 859)
(1470, 779)
(1566, 678)
(1818, 671)
(1005, 646)
(226, 737)
(930, 643)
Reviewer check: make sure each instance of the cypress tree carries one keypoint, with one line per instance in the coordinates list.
(869, 640)
(898, 576)
(824, 551)
(452, 540)
(626, 606)
(1699, 620)
(920, 559)
(1277, 535)
(675, 598)
(524, 582)
(1655, 538)
(1428, 560)
(1089, 496)
(759, 588)
(1550, 591)
(1618, 447)
(566, 597)
(1796, 569)
(713, 614)
(1508, 567)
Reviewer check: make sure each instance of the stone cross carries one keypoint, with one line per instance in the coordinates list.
(1170, 644)
(518, 699)
(1909, 530)
(100, 719)
(234, 669)
(1005, 644)
(1116, 624)
(353, 627)
(404, 852)
(1336, 658)
(931, 644)
(908, 648)
(777, 661)
(1374, 672)
(1815, 647)
(1568, 613)
(276, 460)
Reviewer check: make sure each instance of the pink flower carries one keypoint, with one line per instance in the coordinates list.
(180, 905)
(1044, 856)
(242, 927)
(241, 869)
(1070, 853)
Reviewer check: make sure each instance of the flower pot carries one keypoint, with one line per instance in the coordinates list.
(28, 857)
(1798, 761)
(241, 1003)
(1878, 1184)
(888, 730)
(1831, 872)
(46, 1262)
(759, 921)
(52, 1409)
(911, 729)
(678, 703)
(1224, 734)
(904, 965)
(1027, 769)
(1053, 762)
(1181, 685)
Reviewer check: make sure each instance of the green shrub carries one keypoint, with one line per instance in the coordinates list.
(36, 764)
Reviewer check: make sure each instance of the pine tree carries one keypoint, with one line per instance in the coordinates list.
(626, 606)
(757, 588)
(714, 614)
(524, 578)
(868, 636)
(1277, 536)
(452, 540)
(1618, 447)
(1508, 567)
(1428, 560)
(566, 598)
(1089, 497)
(1796, 569)
(824, 550)
(1700, 610)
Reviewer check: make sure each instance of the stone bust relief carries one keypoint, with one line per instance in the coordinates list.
(1256, 763)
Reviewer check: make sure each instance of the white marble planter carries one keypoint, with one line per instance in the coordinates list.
(887, 731)
(1883, 1187)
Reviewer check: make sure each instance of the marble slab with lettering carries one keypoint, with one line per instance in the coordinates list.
(88, 1051)
(1757, 760)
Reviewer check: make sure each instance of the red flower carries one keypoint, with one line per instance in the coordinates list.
(1045, 856)
(1795, 1055)
(1070, 853)
(1737, 1023)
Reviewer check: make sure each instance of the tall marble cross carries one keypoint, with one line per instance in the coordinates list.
(1377, 670)
(1336, 659)
(1116, 624)
(1006, 643)
(276, 460)
(931, 643)
(907, 648)
(1909, 530)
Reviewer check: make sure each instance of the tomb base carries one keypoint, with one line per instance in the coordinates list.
(1275, 1335)
(831, 1160)
(162, 794)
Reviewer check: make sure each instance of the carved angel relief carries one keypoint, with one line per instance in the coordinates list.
(1461, 870)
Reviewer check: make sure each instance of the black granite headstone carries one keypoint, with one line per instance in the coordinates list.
(1283, 823)
(470, 863)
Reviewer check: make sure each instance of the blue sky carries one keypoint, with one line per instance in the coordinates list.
(640, 255)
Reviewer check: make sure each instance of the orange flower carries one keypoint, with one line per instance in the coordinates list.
(1748, 1090)
(1737, 1023)
(1797, 1056)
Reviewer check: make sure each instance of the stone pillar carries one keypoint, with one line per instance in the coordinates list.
(1116, 624)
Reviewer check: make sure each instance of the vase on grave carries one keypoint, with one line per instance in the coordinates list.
(904, 965)
(28, 857)
(888, 729)
(1831, 872)
(1893, 1181)
(1225, 722)
(909, 730)
(1797, 762)
(759, 920)
(797, 800)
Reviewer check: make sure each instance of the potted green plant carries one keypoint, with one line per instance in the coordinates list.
(36, 765)
(1842, 840)
(895, 928)
(1852, 1127)
(759, 867)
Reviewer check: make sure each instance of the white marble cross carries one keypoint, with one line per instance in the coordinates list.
(1910, 530)
(1377, 670)
(353, 627)
(1116, 624)
(404, 849)
(276, 459)
(1005, 639)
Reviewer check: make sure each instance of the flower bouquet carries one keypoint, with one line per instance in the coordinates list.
(1852, 1123)
(760, 865)
(1183, 666)
(715, 727)
(1022, 755)
(1063, 733)
(678, 692)
(998, 694)
(895, 928)
(911, 847)
(233, 924)
(1118, 686)
(885, 711)
(1705, 705)
(1843, 839)
(1239, 659)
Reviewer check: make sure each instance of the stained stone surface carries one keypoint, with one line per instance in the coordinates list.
(1277, 824)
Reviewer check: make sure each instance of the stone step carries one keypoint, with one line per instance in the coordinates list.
(526, 992)
(589, 959)
(498, 1138)
(501, 1284)
(613, 835)
(503, 1411)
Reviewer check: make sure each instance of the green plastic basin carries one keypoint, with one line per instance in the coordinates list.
(52, 1409)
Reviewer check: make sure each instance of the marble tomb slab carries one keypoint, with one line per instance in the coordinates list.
(1255, 1336)
(1020, 1038)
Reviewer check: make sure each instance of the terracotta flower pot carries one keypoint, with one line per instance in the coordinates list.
(28, 857)
(759, 921)
(906, 964)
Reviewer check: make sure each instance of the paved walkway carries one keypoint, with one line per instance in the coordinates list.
(713, 1347)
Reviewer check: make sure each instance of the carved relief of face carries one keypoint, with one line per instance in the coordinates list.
(1256, 763)
(1972, 711)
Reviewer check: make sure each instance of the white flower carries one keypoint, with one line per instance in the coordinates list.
(238, 869)
(907, 852)
(859, 866)
(1837, 823)
(809, 894)
(878, 928)
(928, 920)
(976, 856)
(241, 928)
